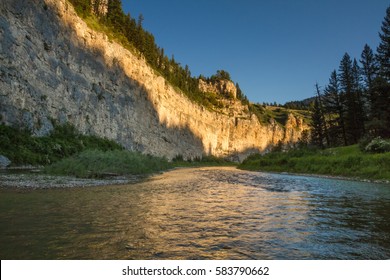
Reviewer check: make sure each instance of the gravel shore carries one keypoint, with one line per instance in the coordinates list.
(42, 181)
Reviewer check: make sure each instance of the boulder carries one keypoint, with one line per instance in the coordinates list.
(4, 161)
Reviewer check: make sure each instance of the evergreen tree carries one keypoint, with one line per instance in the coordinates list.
(369, 72)
(333, 105)
(348, 85)
(115, 15)
(358, 95)
(96, 7)
(221, 75)
(369, 66)
(83, 7)
(383, 51)
(379, 123)
(322, 113)
(140, 20)
(380, 103)
(317, 125)
(240, 94)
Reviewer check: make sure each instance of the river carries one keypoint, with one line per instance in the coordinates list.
(200, 213)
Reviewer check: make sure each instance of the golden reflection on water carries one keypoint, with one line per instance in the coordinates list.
(204, 213)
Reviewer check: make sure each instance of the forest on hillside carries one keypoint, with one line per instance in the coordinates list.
(355, 104)
(129, 29)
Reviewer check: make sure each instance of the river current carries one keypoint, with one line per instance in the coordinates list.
(200, 213)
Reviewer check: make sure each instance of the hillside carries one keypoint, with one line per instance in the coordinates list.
(57, 69)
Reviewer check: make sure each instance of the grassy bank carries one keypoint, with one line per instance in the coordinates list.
(342, 161)
(65, 151)
(97, 164)
(64, 141)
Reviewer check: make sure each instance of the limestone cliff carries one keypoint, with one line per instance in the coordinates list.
(220, 87)
(54, 67)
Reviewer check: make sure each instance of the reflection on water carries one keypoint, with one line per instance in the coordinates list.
(206, 213)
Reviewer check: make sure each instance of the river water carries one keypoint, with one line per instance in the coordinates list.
(203, 213)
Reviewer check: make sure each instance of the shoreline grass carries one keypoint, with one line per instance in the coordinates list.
(342, 161)
(22, 148)
(203, 162)
(98, 164)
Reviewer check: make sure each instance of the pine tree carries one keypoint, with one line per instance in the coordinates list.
(317, 125)
(322, 113)
(140, 20)
(358, 95)
(221, 75)
(369, 66)
(383, 51)
(348, 85)
(82, 6)
(379, 123)
(380, 115)
(333, 105)
(240, 94)
(369, 71)
(98, 7)
(115, 15)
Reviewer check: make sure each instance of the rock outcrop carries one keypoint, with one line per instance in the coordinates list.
(53, 67)
(4, 162)
(221, 87)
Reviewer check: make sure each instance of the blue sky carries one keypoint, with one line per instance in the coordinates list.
(275, 49)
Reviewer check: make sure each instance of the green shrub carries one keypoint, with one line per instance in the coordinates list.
(364, 142)
(378, 145)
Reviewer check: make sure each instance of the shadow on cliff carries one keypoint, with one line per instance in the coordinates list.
(97, 96)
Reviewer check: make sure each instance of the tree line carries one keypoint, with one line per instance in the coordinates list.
(131, 29)
(355, 104)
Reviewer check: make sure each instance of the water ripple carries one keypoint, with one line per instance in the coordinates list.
(205, 213)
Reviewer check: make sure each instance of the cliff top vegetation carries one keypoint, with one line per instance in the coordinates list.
(109, 17)
(130, 32)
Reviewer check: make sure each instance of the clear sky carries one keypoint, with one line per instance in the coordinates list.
(275, 49)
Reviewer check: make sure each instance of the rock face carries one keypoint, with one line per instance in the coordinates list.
(54, 67)
(222, 87)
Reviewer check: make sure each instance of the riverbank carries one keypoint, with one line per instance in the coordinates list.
(331, 177)
(39, 177)
(34, 181)
(340, 163)
(25, 180)
(67, 155)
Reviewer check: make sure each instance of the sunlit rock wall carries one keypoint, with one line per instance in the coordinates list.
(54, 68)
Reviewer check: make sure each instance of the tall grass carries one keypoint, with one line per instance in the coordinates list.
(206, 160)
(64, 141)
(96, 164)
(343, 161)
